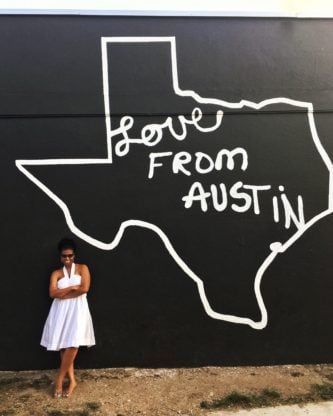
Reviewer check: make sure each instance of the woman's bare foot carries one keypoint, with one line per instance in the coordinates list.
(70, 389)
(57, 392)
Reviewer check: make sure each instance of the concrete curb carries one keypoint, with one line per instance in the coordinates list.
(312, 409)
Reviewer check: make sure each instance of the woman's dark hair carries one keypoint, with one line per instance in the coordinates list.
(65, 244)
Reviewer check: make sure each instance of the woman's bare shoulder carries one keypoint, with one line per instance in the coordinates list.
(57, 273)
(81, 268)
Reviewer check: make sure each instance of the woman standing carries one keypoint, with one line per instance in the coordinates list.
(69, 324)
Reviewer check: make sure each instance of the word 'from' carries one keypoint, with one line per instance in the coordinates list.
(202, 162)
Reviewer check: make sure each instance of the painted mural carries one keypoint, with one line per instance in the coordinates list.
(195, 173)
(239, 197)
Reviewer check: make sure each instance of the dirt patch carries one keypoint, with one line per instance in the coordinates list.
(153, 392)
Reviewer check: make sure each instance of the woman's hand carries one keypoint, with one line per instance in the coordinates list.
(70, 291)
(54, 292)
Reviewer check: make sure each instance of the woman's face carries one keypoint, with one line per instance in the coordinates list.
(67, 257)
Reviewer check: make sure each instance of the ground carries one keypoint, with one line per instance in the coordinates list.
(163, 392)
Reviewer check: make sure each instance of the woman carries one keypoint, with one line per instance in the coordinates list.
(69, 324)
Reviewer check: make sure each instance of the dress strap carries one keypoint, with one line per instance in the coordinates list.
(72, 271)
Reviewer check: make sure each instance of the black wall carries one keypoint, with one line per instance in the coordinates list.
(147, 309)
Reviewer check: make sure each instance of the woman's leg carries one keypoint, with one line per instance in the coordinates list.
(61, 355)
(72, 381)
(58, 387)
(67, 366)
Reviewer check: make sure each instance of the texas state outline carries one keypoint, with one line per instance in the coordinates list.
(275, 248)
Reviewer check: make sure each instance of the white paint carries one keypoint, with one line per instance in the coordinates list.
(219, 206)
(255, 189)
(181, 159)
(290, 213)
(203, 163)
(230, 154)
(275, 247)
(276, 214)
(234, 193)
(152, 134)
(196, 193)
(153, 164)
(200, 163)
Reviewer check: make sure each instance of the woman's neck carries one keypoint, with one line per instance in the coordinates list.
(69, 268)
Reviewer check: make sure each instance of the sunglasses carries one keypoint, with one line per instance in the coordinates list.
(65, 256)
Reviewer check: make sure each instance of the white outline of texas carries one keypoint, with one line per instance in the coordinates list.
(275, 248)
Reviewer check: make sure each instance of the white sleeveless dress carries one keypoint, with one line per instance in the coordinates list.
(69, 322)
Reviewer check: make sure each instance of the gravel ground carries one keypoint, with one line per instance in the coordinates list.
(153, 392)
